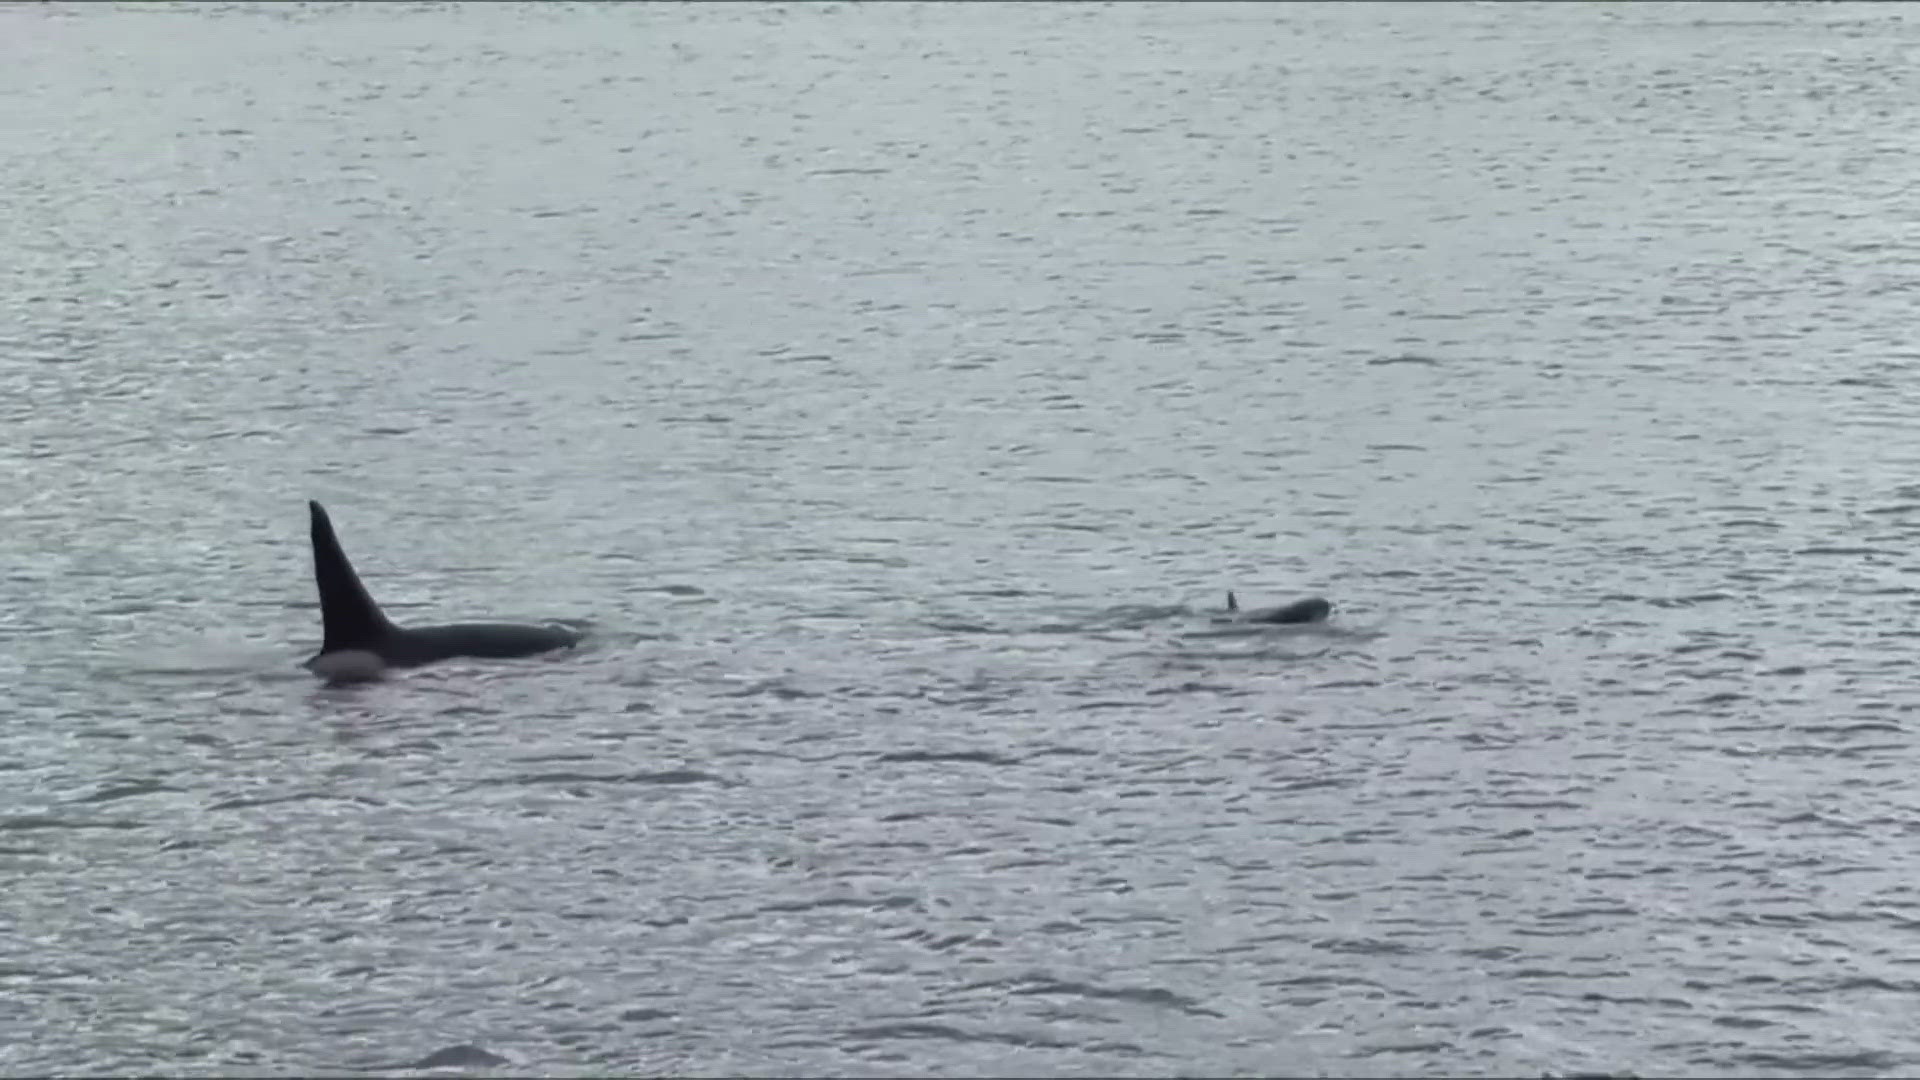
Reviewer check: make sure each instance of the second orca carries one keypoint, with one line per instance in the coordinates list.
(1313, 609)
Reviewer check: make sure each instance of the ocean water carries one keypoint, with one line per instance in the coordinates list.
(898, 389)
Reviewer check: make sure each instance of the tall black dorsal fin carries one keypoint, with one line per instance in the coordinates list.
(1232, 604)
(348, 615)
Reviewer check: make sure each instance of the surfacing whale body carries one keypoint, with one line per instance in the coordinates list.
(1311, 610)
(348, 666)
(359, 638)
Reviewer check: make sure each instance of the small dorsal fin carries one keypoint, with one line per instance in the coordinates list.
(349, 617)
(1232, 604)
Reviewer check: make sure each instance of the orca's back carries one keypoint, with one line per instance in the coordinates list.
(491, 641)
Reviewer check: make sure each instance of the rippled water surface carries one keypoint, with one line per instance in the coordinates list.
(899, 389)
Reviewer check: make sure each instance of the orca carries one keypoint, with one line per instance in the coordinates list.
(1311, 610)
(359, 642)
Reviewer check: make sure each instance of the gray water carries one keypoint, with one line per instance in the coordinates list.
(899, 389)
